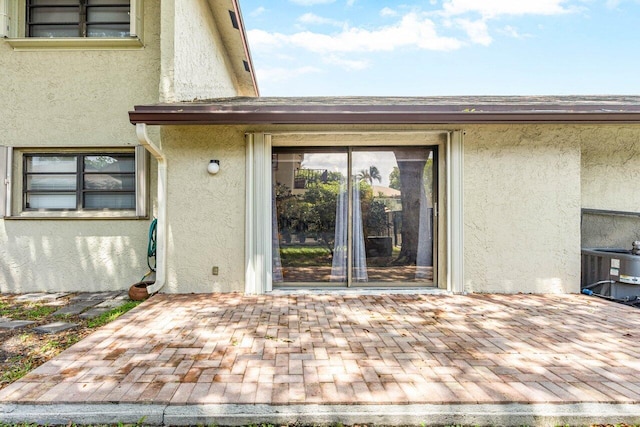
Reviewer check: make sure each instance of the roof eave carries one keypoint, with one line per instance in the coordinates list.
(253, 117)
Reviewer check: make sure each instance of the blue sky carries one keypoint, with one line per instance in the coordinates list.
(444, 47)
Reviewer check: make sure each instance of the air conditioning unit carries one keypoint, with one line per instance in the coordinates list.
(612, 272)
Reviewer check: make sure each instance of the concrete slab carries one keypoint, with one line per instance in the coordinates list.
(92, 296)
(392, 415)
(15, 324)
(82, 414)
(111, 303)
(52, 328)
(41, 296)
(94, 312)
(402, 415)
(76, 308)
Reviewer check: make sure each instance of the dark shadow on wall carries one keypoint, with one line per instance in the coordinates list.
(606, 230)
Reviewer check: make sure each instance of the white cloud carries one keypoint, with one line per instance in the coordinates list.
(613, 4)
(476, 30)
(278, 74)
(347, 64)
(351, 2)
(387, 11)
(311, 2)
(493, 8)
(258, 11)
(510, 31)
(410, 31)
(311, 18)
(263, 40)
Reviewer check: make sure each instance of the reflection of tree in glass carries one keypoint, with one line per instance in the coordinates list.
(394, 177)
(97, 163)
(374, 216)
(369, 175)
(412, 164)
(313, 213)
(110, 177)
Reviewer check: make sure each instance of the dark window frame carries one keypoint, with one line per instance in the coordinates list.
(80, 173)
(83, 22)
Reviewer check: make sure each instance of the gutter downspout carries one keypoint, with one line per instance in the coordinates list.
(161, 235)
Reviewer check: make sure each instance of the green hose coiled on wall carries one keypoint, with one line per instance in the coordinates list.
(151, 246)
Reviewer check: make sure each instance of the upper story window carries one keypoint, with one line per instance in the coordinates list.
(72, 24)
(78, 18)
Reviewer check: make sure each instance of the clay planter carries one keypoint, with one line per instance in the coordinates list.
(138, 291)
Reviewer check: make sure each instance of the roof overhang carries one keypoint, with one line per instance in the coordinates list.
(230, 25)
(392, 111)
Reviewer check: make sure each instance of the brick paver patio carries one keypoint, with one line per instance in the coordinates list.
(349, 349)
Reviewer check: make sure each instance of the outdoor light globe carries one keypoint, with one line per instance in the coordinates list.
(213, 167)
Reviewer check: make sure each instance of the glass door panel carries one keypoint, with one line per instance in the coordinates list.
(307, 185)
(393, 236)
(375, 228)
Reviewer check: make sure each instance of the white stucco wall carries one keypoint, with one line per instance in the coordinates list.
(610, 179)
(205, 213)
(611, 168)
(521, 209)
(54, 98)
(195, 63)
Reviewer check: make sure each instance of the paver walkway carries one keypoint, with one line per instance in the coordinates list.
(350, 349)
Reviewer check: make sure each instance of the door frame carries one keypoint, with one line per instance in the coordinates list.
(259, 230)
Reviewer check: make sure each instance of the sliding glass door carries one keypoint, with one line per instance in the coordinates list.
(353, 216)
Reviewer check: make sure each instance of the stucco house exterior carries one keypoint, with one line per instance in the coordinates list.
(518, 185)
(425, 194)
(77, 191)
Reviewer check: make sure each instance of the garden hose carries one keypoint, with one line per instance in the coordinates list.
(151, 248)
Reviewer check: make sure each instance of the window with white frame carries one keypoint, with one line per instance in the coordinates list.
(63, 183)
(71, 19)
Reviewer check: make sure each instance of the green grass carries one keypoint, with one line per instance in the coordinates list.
(59, 344)
(26, 312)
(305, 256)
(20, 368)
(112, 315)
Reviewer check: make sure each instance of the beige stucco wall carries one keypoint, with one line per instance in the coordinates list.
(521, 206)
(522, 209)
(54, 98)
(610, 179)
(194, 61)
(205, 213)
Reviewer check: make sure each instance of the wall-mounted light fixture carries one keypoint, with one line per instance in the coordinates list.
(213, 167)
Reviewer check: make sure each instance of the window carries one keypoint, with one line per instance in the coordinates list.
(79, 182)
(78, 18)
(74, 184)
(66, 24)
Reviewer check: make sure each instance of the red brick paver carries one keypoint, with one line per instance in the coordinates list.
(369, 349)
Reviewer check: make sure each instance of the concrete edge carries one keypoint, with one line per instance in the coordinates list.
(404, 415)
(66, 414)
(396, 415)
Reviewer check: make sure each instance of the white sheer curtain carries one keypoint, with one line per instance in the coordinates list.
(424, 257)
(276, 265)
(359, 253)
(339, 264)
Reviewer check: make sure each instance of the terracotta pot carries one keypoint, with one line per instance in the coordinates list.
(138, 291)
